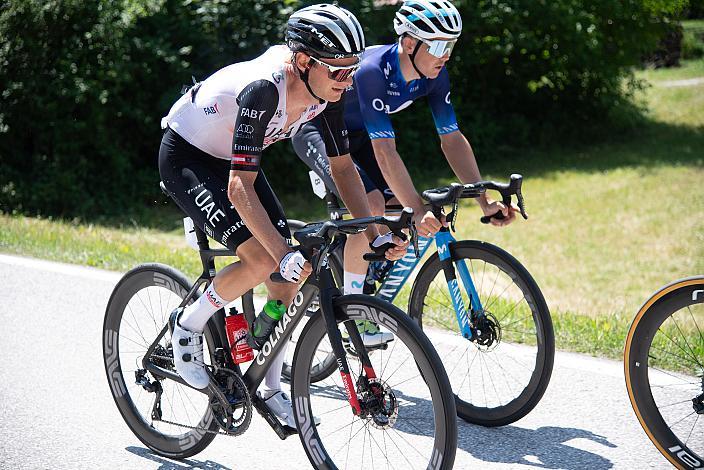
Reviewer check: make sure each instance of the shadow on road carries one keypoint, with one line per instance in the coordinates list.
(168, 464)
(544, 447)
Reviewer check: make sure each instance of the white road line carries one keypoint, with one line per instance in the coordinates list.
(61, 268)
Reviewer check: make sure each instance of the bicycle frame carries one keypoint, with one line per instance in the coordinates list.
(402, 269)
(324, 285)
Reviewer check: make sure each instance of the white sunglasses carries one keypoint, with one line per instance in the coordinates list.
(439, 48)
(341, 73)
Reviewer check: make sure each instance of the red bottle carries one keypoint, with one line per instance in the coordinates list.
(236, 326)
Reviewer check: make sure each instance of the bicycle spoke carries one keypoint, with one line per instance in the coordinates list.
(684, 337)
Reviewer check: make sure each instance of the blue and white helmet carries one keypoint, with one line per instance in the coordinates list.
(428, 19)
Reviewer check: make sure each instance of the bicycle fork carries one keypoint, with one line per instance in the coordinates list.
(444, 241)
(327, 295)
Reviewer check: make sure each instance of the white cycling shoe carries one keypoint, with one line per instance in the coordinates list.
(371, 335)
(188, 355)
(280, 404)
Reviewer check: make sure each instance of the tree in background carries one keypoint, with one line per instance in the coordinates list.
(85, 83)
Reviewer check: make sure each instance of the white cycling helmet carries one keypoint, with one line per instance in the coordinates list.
(428, 19)
(325, 31)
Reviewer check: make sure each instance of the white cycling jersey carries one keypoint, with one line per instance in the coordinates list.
(205, 116)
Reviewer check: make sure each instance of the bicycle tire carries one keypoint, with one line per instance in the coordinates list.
(644, 353)
(510, 270)
(325, 365)
(176, 446)
(421, 359)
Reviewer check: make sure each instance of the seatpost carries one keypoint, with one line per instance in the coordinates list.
(205, 256)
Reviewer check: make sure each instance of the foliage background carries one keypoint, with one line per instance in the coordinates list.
(85, 83)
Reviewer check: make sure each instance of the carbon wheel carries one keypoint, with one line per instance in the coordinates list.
(500, 376)
(664, 368)
(138, 309)
(408, 415)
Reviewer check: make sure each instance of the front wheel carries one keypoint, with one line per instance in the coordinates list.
(664, 368)
(408, 417)
(502, 377)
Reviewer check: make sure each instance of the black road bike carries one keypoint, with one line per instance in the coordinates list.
(664, 367)
(392, 410)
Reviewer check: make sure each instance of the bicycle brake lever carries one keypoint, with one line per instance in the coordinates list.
(453, 215)
(414, 238)
(521, 204)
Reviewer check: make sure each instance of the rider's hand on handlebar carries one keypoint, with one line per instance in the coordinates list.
(491, 207)
(397, 246)
(294, 267)
(427, 224)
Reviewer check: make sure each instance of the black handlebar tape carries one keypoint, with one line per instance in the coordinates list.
(373, 257)
(487, 218)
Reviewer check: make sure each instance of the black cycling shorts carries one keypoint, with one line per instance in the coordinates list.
(309, 146)
(198, 183)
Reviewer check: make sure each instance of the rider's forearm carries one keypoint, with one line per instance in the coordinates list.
(396, 175)
(242, 195)
(460, 156)
(351, 189)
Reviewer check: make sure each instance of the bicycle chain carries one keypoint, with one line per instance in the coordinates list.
(240, 430)
(196, 428)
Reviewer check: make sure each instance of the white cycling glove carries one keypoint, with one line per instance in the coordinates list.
(291, 266)
(380, 240)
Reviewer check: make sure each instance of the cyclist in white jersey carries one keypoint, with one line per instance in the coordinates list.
(209, 161)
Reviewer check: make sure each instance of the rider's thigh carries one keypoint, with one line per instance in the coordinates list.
(309, 146)
(198, 182)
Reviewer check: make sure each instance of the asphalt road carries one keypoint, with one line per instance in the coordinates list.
(57, 412)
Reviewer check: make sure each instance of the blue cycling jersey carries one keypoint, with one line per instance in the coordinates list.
(379, 89)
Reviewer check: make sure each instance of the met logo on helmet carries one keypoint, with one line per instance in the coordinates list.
(322, 37)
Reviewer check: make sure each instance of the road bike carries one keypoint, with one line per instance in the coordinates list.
(664, 369)
(394, 410)
(480, 307)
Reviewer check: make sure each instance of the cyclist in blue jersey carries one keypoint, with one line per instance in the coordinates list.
(391, 78)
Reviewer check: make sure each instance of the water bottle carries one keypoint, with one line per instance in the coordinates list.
(268, 318)
(237, 329)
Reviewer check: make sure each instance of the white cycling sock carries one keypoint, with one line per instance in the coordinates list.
(272, 379)
(354, 283)
(196, 315)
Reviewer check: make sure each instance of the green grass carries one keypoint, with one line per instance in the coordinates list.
(609, 222)
(111, 248)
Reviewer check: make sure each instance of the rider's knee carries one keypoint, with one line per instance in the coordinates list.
(258, 262)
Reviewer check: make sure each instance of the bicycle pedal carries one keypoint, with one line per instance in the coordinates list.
(281, 430)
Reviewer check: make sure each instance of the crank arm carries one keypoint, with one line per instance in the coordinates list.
(281, 430)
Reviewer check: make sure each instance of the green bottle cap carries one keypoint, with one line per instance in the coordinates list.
(275, 309)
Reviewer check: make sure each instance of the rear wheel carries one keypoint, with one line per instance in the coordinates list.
(664, 367)
(501, 377)
(138, 309)
(408, 417)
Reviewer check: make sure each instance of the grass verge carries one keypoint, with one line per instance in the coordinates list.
(610, 222)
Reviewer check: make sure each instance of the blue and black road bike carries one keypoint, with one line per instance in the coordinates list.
(480, 307)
